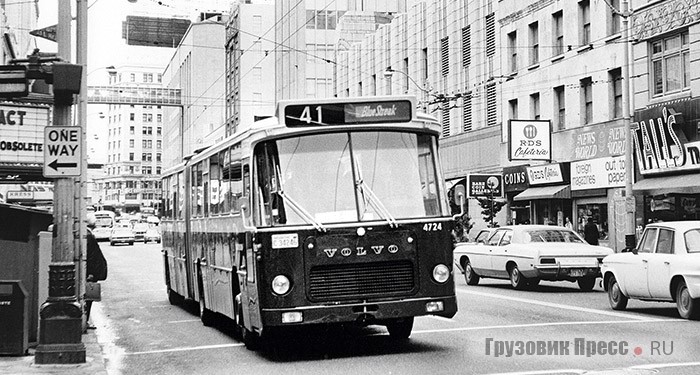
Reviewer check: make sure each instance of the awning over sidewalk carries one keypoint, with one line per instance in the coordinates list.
(545, 192)
(687, 183)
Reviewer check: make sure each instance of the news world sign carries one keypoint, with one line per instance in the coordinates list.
(529, 140)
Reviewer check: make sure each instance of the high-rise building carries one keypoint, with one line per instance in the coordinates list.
(307, 35)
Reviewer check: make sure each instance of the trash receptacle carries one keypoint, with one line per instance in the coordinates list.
(14, 319)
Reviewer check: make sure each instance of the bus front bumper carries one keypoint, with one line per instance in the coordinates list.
(363, 313)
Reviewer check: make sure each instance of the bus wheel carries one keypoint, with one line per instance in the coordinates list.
(250, 339)
(205, 314)
(400, 328)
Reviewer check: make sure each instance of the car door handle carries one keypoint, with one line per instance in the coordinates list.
(645, 261)
(667, 263)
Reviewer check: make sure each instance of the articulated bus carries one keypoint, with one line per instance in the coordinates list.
(331, 212)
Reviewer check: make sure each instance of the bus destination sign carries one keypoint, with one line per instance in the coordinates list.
(348, 113)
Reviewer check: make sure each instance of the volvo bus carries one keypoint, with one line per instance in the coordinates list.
(331, 212)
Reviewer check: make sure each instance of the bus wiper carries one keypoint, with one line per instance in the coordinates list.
(368, 196)
(296, 207)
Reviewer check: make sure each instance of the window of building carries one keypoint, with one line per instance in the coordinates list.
(131, 143)
(406, 76)
(534, 43)
(558, 33)
(143, 143)
(587, 100)
(160, 78)
(131, 156)
(535, 106)
(513, 51)
(490, 35)
(585, 19)
(159, 144)
(615, 77)
(159, 130)
(132, 77)
(159, 118)
(158, 156)
(149, 144)
(491, 113)
(615, 20)
(132, 116)
(513, 109)
(670, 64)
(131, 129)
(467, 112)
(143, 156)
(466, 46)
(560, 107)
(446, 119)
(445, 56)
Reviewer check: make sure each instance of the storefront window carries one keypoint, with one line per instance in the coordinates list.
(671, 207)
(552, 212)
(599, 213)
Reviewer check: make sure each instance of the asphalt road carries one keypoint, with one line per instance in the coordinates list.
(553, 329)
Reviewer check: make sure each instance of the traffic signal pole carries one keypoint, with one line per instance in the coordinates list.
(61, 316)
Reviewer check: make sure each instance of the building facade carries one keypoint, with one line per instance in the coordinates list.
(197, 68)
(250, 84)
(665, 39)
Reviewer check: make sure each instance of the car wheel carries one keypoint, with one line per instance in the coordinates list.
(617, 299)
(586, 284)
(516, 278)
(400, 329)
(469, 275)
(688, 307)
(111, 243)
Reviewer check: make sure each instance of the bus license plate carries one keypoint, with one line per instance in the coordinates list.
(576, 272)
(284, 241)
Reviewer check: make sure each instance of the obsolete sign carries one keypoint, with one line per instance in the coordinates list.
(21, 131)
(62, 152)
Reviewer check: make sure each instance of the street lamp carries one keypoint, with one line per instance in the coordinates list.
(388, 73)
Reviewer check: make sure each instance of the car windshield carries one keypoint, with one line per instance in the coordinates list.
(552, 235)
(692, 241)
(346, 177)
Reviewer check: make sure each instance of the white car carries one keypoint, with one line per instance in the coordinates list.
(526, 254)
(664, 267)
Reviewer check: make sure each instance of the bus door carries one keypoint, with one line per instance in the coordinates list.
(250, 303)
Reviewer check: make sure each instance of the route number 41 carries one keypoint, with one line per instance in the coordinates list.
(432, 227)
(306, 115)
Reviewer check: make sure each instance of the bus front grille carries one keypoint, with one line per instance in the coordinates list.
(361, 280)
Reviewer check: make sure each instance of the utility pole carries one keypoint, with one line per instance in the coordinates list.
(630, 240)
(61, 315)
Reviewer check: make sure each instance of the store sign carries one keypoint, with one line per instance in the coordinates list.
(22, 133)
(598, 173)
(529, 140)
(484, 185)
(515, 178)
(545, 174)
(597, 141)
(661, 140)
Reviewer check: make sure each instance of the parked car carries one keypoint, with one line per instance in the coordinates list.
(152, 234)
(526, 254)
(121, 235)
(664, 267)
(483, 235)
(140, 231)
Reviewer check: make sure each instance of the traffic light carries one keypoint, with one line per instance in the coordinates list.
(66, 82)
(13, 81)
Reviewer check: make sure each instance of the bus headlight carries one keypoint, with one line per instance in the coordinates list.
(441, 273)
(280, 284)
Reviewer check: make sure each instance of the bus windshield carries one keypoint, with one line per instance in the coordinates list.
(346, 177)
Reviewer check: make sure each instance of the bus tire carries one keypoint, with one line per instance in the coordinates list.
(251, 339)
(400, 329)
(207, 316)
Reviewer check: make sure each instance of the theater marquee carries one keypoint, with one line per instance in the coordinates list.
(22, 133)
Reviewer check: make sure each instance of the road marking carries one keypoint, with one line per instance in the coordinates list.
(530, 325)
(441, 318)
(650, 366)
(560, 306)
(184, 321)
(173, 350)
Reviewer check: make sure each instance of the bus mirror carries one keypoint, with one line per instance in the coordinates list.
(458, 197)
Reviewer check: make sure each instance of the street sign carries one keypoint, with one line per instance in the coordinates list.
(62, 152)
(48, 32)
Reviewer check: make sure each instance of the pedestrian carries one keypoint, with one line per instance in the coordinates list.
(96, 267)
(590, 232)
(568, 224)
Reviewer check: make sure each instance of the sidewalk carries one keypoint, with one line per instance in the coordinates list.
(94, 362)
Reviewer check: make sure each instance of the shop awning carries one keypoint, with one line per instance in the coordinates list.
(688, 183)
(545, 192)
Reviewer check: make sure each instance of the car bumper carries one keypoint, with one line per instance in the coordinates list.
(121, 240)
(556, 272)
(364, 313)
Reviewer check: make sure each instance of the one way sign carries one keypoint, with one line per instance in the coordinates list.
(62, 152)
